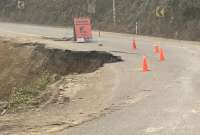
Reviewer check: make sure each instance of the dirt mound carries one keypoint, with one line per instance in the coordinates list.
(26, 69)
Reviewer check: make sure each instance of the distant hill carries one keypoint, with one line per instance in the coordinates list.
(181, 19)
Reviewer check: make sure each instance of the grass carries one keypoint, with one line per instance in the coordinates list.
(23, 97)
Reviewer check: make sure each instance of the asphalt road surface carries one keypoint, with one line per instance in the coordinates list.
(163, 101)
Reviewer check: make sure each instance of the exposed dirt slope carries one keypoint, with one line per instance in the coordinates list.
(59, 88)
(26, 69)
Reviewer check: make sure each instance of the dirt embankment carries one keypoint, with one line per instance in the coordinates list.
(26, 69)
(181, 21)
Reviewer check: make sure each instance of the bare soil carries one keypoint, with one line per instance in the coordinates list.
(26, 69)
(42, 83)
(21, 64)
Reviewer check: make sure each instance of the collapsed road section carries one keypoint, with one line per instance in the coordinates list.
(27, 68)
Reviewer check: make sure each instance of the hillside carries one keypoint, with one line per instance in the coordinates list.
(181, 21)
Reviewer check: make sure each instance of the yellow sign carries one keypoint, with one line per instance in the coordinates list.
(20, 4)
(160, 12)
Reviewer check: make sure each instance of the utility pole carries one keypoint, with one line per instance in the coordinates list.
(114, 12)
(136, 28)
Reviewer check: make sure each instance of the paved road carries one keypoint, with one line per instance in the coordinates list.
(164, 101)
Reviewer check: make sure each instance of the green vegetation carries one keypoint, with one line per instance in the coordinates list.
(23, 97)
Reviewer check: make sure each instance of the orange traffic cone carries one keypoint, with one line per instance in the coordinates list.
(145, 64)
(134, 46)
(156, 49)
(162, 55)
